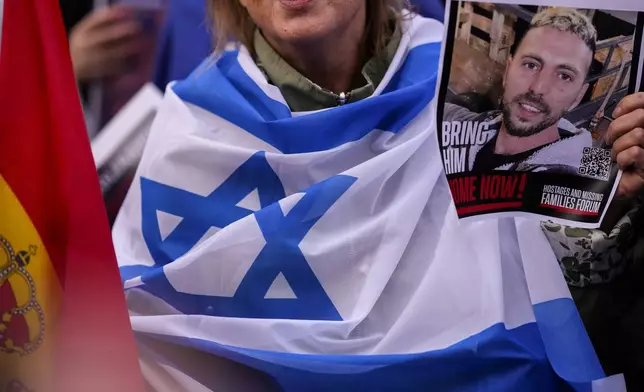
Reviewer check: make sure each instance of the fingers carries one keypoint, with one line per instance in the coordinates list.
(633, 138)
(104, 41)
(631, 157)
(626, 134)
(125, 51)
(106, 16)
(629, 103)
(630, 184)
(117, 33)
(102, 61)
(625, 123)
(118, 58)
(631, 161)
(106, 26)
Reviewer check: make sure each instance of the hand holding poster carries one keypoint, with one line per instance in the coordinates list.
(526, 97)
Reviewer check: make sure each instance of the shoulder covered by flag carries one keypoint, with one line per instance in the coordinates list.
(322, 250)
(63, 321)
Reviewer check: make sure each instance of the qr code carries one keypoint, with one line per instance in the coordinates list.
(595, 162)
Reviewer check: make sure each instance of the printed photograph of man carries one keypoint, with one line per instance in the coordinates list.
(545, 78)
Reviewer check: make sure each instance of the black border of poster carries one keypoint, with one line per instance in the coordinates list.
(530, 185)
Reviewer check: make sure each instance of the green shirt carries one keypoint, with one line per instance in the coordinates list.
(301, 94)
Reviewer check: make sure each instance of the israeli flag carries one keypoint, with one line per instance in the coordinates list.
(263, 249)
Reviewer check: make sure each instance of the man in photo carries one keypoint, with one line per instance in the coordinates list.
(544, 79)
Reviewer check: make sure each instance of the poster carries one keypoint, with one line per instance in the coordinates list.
(526, 94)
(118, 148)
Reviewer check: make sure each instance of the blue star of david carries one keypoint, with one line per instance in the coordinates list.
(281, 254)
(218, 209)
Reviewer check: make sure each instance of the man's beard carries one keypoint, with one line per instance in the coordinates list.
(519, 130)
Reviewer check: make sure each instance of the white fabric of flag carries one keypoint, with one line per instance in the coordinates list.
(322, 250)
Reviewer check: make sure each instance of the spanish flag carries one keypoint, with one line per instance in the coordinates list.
(64, 325)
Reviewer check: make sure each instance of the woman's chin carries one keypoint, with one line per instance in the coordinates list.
(294, 31)
(295, 5)
(306, 21)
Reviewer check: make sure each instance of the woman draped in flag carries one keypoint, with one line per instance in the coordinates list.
(290, 227)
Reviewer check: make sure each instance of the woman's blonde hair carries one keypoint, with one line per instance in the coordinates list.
(232, 22)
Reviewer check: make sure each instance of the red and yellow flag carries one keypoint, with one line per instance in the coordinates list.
(64, 324)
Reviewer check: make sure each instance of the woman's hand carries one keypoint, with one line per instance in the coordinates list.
(104, 43)
(626, 134)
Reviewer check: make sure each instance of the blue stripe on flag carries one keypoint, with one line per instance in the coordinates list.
(494, 360)
(566, 342)
(418, 66)
(132, 271)
(239, 100)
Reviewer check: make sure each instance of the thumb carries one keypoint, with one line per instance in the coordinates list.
(630, 184)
